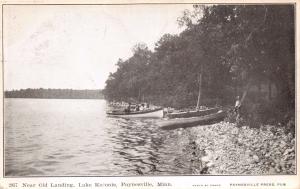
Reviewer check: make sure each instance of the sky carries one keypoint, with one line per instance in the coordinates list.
(69, 46)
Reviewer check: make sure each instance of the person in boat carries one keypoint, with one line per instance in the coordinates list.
(127, 109)
(142, 107)
(137, 107)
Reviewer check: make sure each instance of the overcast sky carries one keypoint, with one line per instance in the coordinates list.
(76, 47)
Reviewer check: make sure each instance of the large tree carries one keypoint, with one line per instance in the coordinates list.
(222, 51)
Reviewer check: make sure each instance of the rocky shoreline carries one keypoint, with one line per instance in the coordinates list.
(225, 149)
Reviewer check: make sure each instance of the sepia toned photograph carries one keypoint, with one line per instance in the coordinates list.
(149, 90)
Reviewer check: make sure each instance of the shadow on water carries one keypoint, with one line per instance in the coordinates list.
(148, 150)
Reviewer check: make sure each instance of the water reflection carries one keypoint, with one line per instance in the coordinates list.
(75, 137)
(149, 150)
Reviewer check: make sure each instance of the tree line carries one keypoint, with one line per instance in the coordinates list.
(224, 51)
(54, 93)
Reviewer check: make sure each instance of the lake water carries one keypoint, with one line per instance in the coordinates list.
(64, 137)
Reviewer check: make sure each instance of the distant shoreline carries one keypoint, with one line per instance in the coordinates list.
(55, 98)
(54, 94)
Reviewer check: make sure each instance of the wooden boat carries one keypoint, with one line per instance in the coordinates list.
(192, 121)
(149, 113)
(192, 113)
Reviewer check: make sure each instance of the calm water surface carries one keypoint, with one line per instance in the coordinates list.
(62, 137)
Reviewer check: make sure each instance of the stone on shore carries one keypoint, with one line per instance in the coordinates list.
(228, 149)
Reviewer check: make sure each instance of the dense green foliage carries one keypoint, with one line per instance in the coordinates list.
(54, 93)
(235, 48)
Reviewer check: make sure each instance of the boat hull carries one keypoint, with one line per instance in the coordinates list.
(192, 113)
(192, 122)
(158, 113)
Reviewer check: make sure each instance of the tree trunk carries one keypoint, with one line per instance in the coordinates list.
(270, 90)
(259, 88)
(199, 93)
(245, 92)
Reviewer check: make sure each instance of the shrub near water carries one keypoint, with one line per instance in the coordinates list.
(258, 113)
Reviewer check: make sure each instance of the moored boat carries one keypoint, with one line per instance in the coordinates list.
(193, 121)
(192, 113)
(148, 113)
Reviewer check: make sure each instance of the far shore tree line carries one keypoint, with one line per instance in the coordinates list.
(225, 51)
(55, 93)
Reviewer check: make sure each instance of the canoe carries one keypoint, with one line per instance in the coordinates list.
(193, 121)
(151, 113)
(192, 113)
